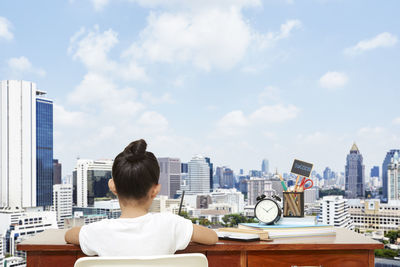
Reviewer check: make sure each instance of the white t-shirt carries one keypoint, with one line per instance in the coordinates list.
(147, 235)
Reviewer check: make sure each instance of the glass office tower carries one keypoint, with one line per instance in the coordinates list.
(44, 152)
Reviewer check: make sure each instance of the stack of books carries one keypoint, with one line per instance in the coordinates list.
(292, 227)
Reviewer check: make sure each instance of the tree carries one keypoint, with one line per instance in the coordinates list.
(185, 215)
(331, 192)
(231, 220)
(392, 235)
(386, 253)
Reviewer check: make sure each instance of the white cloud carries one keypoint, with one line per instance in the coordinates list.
(269, 39)
(21, 65)
(275, 113)
(269, 93)
(99, 4)
(384, 39)
(236, 122)
(150, 98)
(370, 131)
(207, 34)
(190, 4)
(98, 91)
(5, 31)
(65, 118)
(333, 79)
(92, 48)
(153, 122)
(232, 123)
(396, 120)
(207, 38)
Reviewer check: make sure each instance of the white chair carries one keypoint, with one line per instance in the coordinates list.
(178, 260)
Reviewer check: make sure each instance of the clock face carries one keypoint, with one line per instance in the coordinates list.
(266, 211)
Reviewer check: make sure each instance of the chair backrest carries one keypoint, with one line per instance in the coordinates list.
(178, 260)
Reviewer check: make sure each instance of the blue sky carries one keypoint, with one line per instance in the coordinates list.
(237, 80)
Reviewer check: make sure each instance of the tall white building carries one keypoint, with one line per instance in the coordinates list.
(311, 195)
(198, 176)
(91, 180)
(170, 176)
(257, 187)
(231, 197)
(334, 210)
(62, 202)
(393, 180)
(18, 144)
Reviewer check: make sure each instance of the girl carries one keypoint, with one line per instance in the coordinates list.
(135, 175)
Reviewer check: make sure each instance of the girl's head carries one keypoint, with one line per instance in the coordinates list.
(135, 171)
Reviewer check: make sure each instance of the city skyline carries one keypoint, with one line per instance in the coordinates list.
(285, 83)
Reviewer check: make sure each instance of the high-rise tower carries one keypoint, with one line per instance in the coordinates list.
(26, 144)
(355, 174)
(393, 175)
(198, 176)
(265, 166)
(44, 150)
(170, 176)
(386, 162)
(211, 165)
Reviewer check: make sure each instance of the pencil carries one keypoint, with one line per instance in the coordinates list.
(297, 181)
(283, 183)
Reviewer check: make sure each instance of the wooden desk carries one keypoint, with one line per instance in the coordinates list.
(347, 248)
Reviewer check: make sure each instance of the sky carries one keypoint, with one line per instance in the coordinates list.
(235, 80)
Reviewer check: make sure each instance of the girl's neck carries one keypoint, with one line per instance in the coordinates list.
(133, 209)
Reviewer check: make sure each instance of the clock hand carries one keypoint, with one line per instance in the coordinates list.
(266, 209)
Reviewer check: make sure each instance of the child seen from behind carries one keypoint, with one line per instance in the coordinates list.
(137, 232)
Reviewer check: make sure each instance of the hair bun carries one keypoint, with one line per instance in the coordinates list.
(136, 150)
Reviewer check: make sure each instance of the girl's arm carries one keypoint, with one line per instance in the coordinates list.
(204, 235)
(72, 235)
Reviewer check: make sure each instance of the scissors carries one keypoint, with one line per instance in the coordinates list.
(305, 184)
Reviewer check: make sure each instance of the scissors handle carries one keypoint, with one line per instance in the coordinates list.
(305, 182)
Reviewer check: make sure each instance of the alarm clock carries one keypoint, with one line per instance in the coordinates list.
(267, 210)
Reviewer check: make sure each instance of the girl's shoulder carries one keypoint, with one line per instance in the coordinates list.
(164, 215)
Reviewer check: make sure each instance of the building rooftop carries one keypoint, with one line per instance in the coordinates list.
(354, 148)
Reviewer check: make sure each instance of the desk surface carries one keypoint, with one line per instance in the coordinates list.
(53, 240)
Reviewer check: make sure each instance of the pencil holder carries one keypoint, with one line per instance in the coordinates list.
(293, 204)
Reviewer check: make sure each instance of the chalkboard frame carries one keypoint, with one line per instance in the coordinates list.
(299, 166)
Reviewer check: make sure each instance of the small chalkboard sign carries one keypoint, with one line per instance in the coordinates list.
(301, 168)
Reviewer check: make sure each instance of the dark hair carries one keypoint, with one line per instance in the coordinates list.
(135, 171)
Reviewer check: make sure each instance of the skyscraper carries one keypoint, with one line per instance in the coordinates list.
(170, 176)
(265, 166)
(56, 172)
(198, 176)
(219, 172)
(44, 150)
(256, 187)
(327, 173)
(393, 174)
(26, 122)
(208, 160)
(386, 161)
(375, 171)
(355, 174)
(228, 179)
(90, 181)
